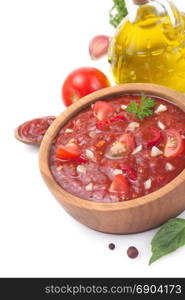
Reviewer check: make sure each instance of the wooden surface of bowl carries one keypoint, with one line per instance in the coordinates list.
(133, 216)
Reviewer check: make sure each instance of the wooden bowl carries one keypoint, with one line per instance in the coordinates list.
(133, 216)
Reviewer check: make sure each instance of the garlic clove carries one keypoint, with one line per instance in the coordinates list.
(89, 154)
(123, 107)
(137, 149)
(133, 126)
(148, 184)
(99, 46)
(161, 108)
(156, 152)
(89, 187)
(161, 125)
(69, 130)
(169, 167)
(117, 172)
(81, 169)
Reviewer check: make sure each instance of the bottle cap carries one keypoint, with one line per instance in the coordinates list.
(140, 2)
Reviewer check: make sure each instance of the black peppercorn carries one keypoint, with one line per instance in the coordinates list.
(111, 246)
(132, 252)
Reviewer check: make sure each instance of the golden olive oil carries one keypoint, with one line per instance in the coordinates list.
(151, 49)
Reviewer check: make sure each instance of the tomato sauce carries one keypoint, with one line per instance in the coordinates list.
(109, 155)
(34, 130)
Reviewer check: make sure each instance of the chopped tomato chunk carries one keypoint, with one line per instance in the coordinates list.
(124, 145)
(156, 137)
(120, 184)
(102, 110)
(69, 151)
(102, 124)
(128, 140)
(131, 172)
(175, 145)
(80, 159)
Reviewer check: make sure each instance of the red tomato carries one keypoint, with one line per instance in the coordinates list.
(102, 110)
(128, 140)
(69, 151)
(82, 82)
(175, 145)
(120, 184)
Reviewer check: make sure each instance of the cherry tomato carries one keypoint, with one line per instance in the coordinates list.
(102, 110)
(175, 145)
(82, 82)
(120, 184)
(69, 151)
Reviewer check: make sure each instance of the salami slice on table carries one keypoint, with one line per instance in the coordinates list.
(33, 131)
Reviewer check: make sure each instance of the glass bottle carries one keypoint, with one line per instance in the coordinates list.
(149, 45)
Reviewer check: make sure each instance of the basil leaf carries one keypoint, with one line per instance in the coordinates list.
(170, 237)
(144, 109)
(118, 12)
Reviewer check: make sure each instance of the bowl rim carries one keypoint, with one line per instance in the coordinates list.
(110, 92)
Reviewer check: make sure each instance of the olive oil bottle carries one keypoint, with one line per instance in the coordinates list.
(149, 45)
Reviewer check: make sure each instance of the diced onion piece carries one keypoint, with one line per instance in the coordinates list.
(155, 151)
(81, 169)
(169, 167)
(138, 149)
(161, 108)
(69, 130)
(148, 184)
(89, 187)
(89, 154)
(123, 107)
(117, 171)
(132, 126)
(161, 125)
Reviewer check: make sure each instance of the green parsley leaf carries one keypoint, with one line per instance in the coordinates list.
(118, 12)
(142, 110)
(170, 237)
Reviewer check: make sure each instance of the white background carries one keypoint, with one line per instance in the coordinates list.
(41, 42)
